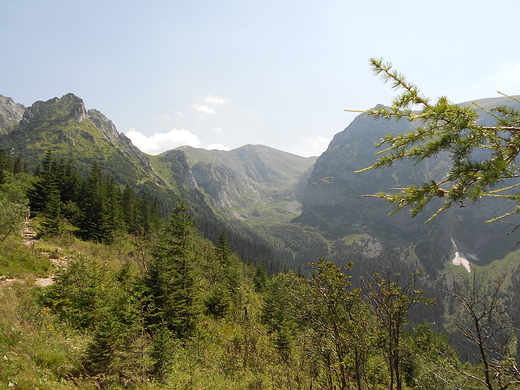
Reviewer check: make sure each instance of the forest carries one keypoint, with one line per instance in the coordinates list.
(140, 299)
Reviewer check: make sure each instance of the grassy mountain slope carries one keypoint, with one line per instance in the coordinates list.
(66, 127)
(332, 200)
(253, 183)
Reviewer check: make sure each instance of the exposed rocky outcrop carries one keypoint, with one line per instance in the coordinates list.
(247, 176)
(11, 113)
(334, 202)
(105, 125)
(226, 188)
(65, 126)
(55, 111)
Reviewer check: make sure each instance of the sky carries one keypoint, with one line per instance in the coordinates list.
(223, 74)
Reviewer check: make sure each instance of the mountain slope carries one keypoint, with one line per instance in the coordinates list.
(11, 113)
(332, 200)
(245, 182)
(66, 127)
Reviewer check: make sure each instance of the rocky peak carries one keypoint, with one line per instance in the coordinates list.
(57, 110)
(11, 113)
(177, 162)
(332, 199)
(133, 150)
(105, 125)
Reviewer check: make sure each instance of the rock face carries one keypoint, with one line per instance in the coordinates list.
(55, 111)
(176, 163)
(11, 113)
(334, 202)
(105, 125)
(246, 176)
(268, 187)
(65, 126)
(226, 188)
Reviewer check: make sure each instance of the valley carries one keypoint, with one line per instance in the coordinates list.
(262, 230)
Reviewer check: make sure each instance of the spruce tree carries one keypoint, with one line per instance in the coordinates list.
(46, 185)
(70, 182)
(6, 165)
(222, 249)
(143, 214)
(20, 165)
(51, 224)
(170, 279)
(91, 205)
(111, 213)
(129, 210)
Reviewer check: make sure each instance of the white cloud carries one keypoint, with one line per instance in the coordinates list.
(212, 99)
(218, 147)
(167, 117)
(161, 142)
(216, 129)
(204, 109)
(314, 146)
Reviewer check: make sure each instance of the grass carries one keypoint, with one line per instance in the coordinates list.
(36, 352)
(17, 261)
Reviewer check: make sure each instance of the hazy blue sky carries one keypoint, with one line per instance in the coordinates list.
(229, 73)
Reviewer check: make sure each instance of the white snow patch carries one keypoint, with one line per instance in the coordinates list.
(460, 259)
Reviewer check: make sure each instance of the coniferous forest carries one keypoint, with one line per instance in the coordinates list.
(117, 292)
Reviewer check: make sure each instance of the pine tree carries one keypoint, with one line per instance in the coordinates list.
(51, 224)
(6, 165)
(92, 205)
(170, 279)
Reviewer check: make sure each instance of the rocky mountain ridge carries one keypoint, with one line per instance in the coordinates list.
(249, 183)
(11, 113)
(260, 190)
(67, 127)
(248, 175)
(334, 202)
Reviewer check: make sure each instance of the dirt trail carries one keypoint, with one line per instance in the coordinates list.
(30, 237)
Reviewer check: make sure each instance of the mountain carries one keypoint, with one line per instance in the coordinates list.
(204, 178)
(246, 182)
(334, 203)
(296, 209)
(65, 126)
(11, 114)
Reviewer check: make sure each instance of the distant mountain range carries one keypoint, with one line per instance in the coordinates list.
(301, 208)
(227, 190)
(332, 201)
